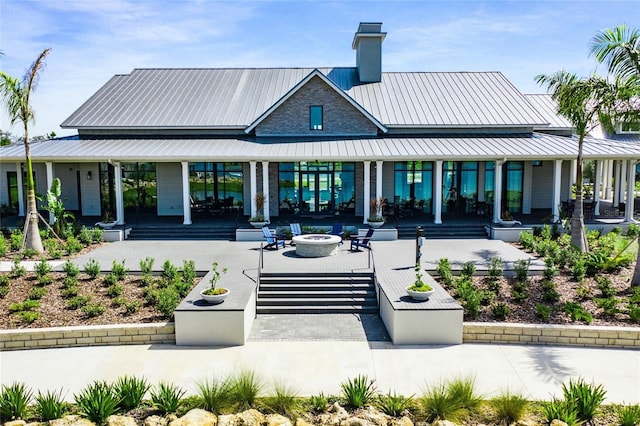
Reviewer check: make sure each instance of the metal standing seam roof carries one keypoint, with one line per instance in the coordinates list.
(234, 98)
(536, 146)
(548, 108)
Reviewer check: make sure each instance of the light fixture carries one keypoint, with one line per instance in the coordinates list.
(89, 175)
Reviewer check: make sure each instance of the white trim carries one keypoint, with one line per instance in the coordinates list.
(437, 205)
(366, 190)
(186, 194)
(20, 183)
(557, 180)
(49, 167)
(302, 83)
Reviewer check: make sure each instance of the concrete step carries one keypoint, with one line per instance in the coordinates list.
(318, 301)
(296, 294)
(181, 232)
(317, 309)
(317, 287)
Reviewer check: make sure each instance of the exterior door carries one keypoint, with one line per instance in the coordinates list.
(459, 186)
(317, 192)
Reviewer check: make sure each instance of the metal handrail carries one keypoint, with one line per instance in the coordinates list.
(260, 266)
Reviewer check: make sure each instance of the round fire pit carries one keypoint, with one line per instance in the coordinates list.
(316, 245)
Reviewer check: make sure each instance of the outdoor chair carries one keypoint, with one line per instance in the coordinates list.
(337, 231)
(273, 241)
(296, 230)
(357, 242)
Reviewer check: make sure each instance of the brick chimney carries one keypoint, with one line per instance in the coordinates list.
(367, 43)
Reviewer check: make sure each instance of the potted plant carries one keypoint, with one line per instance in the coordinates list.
(507, 219)
(258, 220)
(107, 222)
(419, 290)
(213, 294)
(376, 220)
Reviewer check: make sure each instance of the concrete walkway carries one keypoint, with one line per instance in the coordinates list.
(312, 367)
(321, 364)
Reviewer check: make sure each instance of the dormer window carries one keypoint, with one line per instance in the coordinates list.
(629, 127)
(315, 117)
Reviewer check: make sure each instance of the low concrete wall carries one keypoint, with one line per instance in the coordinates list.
(94, 335)
(553, 334)
(501, 333)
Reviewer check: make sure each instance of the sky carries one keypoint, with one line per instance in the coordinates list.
(92, 40)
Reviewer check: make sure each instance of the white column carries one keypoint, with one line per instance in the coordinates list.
(616, 185)
(253, 185)
(437, 205)
(186, 194)
(20, 184)
(117, 174)
(631, 183)
(608, 169)
(557, 180)
(574, 171)
(378, 179)
(497, 191)
(49, 166)
(596, 187)
(366, 190)
(623, 180)
(265, 189)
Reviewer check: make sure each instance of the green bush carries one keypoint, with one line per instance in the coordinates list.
(628, 415)
(36, 293)
(496, 267)
(109, 280)
(4, 290)
(443, 269)
(394, 405)
(166, 397)
(319, 402)
(4, 246)
(605, 287)
(45, 280)
(633, 230)
(501, 311)
(146, 265)
(17, 269)
(4, 280)
(359, 391)
(283, 400)
(608, 305)
(509, 408)
(29, 316)
(468, 269)
(558, 409)
(115, 290)
(550, 269)
(50, 405)
(70, 291)
(54, 247)
(216, 394)
(245, 388)
(521, 268)
(168, 300)
(27, 305)
(97, 402)
(131, 306)
(16, 240)
(92, 268)
(92, 310)
(130, 391)
(437, 404)
(527, 241)
(549, 292)
(14, 401)
(169, 271)
(73, 246)
(578, 269)
(585, 398)
(189, 273)
(78, 302)
(97, 235)
(520, 291)
(577, 312)
(85, 236)
(634, 313)
(543, 312)
(470, 297)
(70, 269)
(119, 270)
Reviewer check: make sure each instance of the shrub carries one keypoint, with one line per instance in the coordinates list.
(358, 391)
(189, 273)
(29, 316)
(42, 268)
(17, 269)
(578, 269)
(78, 302)
(394, 405)
(558, 409)
(283, 400)
(45, 280)
(16, 240)
(169, 271)
(319, 402)
(608, 305)
(577, 312)
(586, 398)
(521, 268)
(130, 391)
(97, 401)
(4, 246)
(93, 309)
(501, 311)
(69, 281)
(146, 265)
(50, 405)
(97, 235)
(437, 404)
(443, 269)
(633, 230)
(520, 291)
(509, 408)
(543, 312)
(246, 387)
(14, 401)
(70, 269)
(495, 267)
(36, 293)
(4, 280)
(549, 292)
(216, 394)
(92, 268)
(54, 247)
(470, 296)
(527, 241)
(27, 305)
(73, 246)
(634, 313)
(119, 270)
(85, 236)
(131, 306)
(628, 415)
(168, 299)
(70, 291)
(605, 287)
(166, 397)
(550, 269)
(468, 269)
(4, 290)
(115, 290)
(463, 391)
(109, 280)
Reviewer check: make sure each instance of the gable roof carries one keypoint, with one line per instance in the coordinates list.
(225, 98)
(302, 83)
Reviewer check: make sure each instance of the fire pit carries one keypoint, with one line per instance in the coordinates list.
(316, 245)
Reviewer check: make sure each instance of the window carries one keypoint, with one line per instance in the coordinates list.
(630, 127)
(315, 117)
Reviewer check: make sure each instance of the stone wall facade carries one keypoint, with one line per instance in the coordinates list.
(340, 118)
(500, 333)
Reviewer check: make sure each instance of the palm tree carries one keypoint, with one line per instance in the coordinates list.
(16, 95)
(580, 100)
(619, 48)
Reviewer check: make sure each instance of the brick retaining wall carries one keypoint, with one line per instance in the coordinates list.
(95, 335)
(138, 334)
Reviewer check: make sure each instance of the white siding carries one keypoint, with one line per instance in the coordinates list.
(388, 180)
(526, 188)
(169, 177)
(90, 189)
(67, 172)
(541, 185)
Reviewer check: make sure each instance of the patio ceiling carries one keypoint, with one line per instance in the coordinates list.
(536, 146)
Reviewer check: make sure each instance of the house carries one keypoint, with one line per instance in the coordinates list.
(194, 142)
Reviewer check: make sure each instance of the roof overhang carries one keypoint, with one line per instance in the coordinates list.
(534, 146)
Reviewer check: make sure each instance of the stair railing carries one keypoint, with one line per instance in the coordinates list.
(260, 266)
